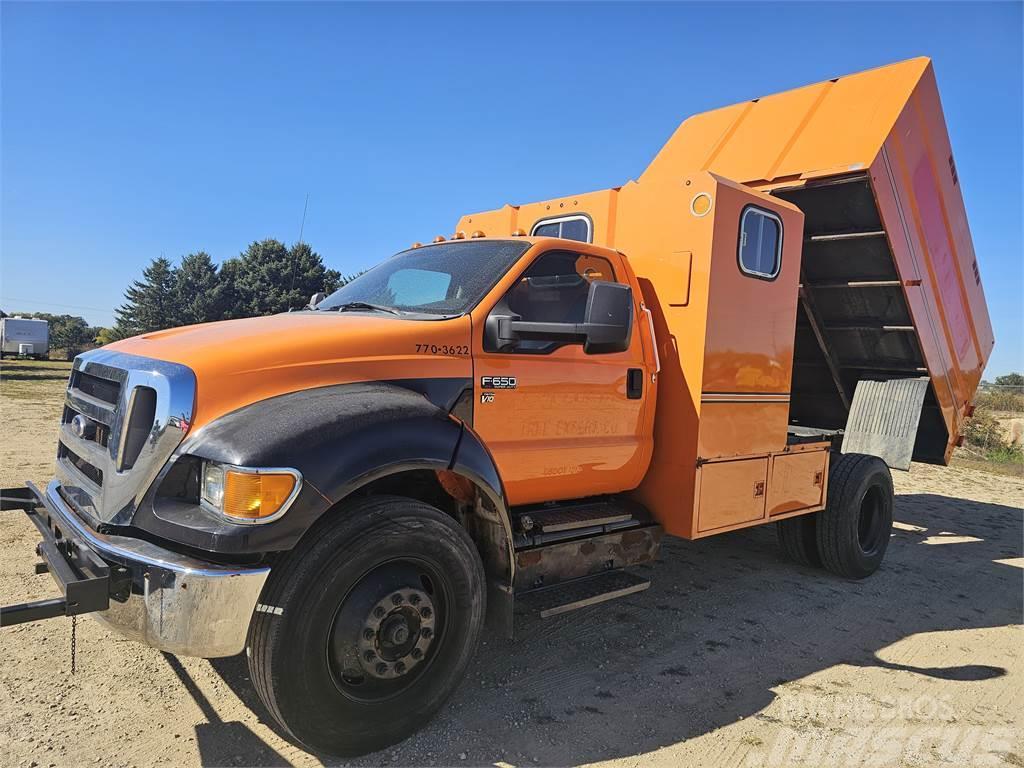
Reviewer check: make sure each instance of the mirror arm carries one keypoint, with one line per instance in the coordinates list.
(570, 332)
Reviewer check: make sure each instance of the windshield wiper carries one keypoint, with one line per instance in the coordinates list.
(353, 305)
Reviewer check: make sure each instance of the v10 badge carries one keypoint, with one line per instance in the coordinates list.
(495, 382)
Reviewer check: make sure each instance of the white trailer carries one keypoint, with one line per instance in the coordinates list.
(24, 337)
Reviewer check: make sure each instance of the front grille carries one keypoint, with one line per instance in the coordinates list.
(95, 387)
(95, 474)
(134, 412)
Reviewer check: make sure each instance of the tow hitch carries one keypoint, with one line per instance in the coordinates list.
(86, 581)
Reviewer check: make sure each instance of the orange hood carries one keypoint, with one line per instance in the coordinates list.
(238, 362)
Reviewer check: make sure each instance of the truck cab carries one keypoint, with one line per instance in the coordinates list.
(773, 315)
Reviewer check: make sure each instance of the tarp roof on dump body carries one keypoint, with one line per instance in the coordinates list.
(899, 288)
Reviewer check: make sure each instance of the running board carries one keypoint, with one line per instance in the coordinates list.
(580, 593)
(573, 517)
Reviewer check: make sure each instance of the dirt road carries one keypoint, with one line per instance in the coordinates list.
(733, 657)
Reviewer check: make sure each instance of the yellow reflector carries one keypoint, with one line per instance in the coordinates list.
(252, 496)
(701, 204)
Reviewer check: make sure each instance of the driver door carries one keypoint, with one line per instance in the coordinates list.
(562, 424)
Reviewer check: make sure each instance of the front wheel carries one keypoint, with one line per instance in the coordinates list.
(368, 626)
(853, 530)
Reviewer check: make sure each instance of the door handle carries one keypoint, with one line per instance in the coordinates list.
(634, 383)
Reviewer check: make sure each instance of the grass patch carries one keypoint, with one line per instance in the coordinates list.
(36, 380)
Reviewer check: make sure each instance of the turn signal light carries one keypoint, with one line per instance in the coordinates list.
(460, 235)
(256, 495)
(477, 233)
(439, 239)
(246, 494)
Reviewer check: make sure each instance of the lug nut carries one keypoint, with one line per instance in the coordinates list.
(369, 655)
(368, 634)
(426, 633)
(382, 669)
(414, 599)
(400, 668)
(396, 599)
(416, 653)
(378, 612)
(425, 612)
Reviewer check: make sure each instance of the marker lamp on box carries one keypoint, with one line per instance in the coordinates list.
(248, 494)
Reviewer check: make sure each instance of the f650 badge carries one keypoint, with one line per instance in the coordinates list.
(498, 382)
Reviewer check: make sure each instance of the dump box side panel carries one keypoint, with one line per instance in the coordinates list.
(921, 206)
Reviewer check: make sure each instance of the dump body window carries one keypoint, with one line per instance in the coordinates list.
(554, 290)
(566, 227)
(760, 246)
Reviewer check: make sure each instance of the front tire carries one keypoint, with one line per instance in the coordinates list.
(853, 530)
(381, 609)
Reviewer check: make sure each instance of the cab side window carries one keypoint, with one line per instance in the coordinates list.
(760, 243)
(566, 227)
(554, 289)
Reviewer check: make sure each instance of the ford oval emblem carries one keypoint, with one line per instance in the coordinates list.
(80, 426)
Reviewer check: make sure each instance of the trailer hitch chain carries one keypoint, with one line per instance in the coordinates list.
(86, 581)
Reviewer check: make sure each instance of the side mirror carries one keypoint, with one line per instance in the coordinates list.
(608, 320)
(315, 299)
(607, 324)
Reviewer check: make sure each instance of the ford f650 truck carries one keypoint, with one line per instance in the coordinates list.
(782, 306)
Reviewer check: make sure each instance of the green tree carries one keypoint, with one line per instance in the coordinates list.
(270, 277)
(71, 334)
(1010, 380)
(104, 336)
(150, 303)
(197, 290)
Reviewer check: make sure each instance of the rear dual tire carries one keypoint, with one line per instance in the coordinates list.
(381, 609)
(849, 537)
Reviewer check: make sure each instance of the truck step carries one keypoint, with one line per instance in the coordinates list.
(572, 517)
(579, 593)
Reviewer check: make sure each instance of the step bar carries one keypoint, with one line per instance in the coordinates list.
(582, 593)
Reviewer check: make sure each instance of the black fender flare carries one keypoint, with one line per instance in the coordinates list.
(339, 438)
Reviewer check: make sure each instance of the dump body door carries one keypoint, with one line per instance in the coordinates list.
(561, 423)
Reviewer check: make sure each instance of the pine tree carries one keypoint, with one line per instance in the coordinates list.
(149, 303)
(197, 289)
(270, 277)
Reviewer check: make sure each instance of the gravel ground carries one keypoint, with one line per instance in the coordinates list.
(732, 658)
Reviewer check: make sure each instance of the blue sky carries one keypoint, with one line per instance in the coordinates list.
(131, 130)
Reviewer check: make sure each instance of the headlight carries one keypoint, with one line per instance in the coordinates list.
(248, 494)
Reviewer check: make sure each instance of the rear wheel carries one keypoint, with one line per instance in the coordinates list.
(798, 538)
(380, 613)
(854, 529)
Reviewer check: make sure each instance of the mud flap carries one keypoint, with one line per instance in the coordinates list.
(883, 419)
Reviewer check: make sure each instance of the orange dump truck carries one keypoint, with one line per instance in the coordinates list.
(782, 306)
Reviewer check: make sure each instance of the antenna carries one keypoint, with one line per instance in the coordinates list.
(302, 228)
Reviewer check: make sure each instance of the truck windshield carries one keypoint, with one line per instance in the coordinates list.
(444, 279)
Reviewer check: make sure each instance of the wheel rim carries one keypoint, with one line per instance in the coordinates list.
(870, 521)
(388, 630)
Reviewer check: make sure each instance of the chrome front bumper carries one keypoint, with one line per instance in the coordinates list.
(175, 603)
